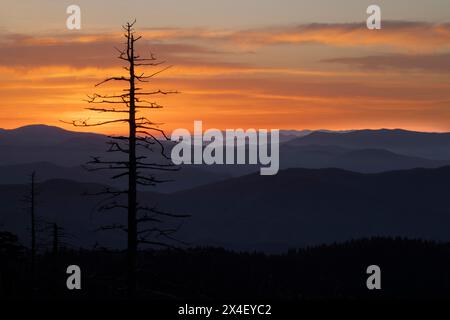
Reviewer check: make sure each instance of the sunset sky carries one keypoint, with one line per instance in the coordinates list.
(286, 64)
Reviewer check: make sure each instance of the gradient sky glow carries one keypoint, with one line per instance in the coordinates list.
(252, 63)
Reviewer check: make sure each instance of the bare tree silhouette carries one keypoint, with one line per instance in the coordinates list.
(142, 137)
(56, 239)
(30, 201)
(59, 238)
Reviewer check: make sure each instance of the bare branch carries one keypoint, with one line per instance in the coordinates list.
(156, 92)
(84, 123)
(113, 79)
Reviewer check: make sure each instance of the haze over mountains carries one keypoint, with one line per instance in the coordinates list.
(41, 147)
(301, 207)
(295, 208)
(333, 186)
(411, 143)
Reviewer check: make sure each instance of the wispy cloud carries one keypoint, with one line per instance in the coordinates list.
(86, 51)
(414, 36)
(180, 45)
(438, 63)
(255, 77)
(408, 35)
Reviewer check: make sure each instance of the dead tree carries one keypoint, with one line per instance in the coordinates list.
(33, 219)
(143, 136)
(30, 201)
(59, 238)
(56, 240)
(57, 233)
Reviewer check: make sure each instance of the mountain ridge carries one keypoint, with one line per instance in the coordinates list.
(298, 207)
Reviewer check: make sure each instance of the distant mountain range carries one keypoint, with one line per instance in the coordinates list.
(297, 207)
(42, 135)
(301, 207)
(411, 143)
(188, 177)
(333, 186)
(58, 153)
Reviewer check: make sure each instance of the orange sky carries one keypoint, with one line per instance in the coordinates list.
(331, 76)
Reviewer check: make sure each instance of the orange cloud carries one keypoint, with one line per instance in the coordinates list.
(186, 46)
(413, 36)
(438, 63)
(45, 79)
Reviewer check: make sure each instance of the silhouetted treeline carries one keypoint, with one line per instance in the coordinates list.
(410, 269)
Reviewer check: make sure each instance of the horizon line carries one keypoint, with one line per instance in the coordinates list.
(281, 130)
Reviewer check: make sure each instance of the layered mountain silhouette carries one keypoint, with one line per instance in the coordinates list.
(186, 178)
(295, 208)
(411, 143)
(40, 147)
(333, 186)
(55, 153)
(43, 135)
(301, 207)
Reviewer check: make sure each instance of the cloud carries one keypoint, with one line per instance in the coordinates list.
(438, 63)
(48, 75)
(86, 51)
(201, 45)
(414, 36)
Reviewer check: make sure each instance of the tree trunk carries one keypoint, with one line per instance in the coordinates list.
(132, 200)
(33, 231)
